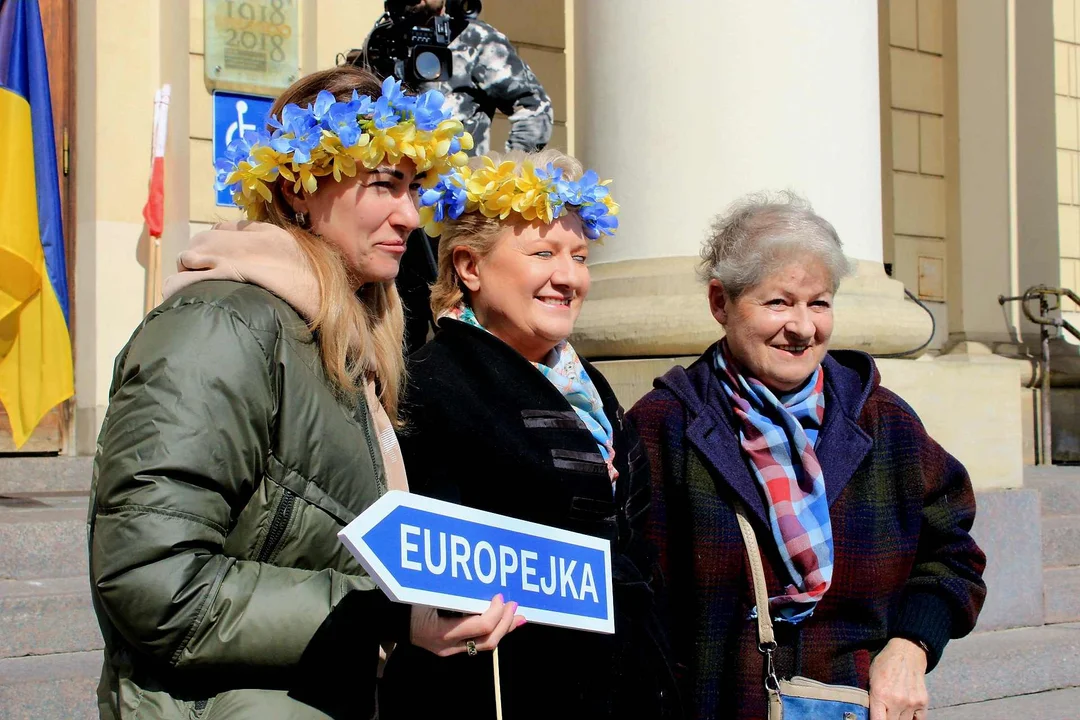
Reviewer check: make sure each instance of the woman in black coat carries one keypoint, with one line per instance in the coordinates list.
(503, 416)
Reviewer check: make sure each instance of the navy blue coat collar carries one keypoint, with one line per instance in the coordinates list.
(712, 428)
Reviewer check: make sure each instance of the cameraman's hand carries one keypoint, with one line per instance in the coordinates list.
(447, 636)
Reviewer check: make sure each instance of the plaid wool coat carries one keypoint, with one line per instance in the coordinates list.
(901, 509)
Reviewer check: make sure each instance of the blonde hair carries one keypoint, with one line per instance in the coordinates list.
(479, 234)
(373, 315)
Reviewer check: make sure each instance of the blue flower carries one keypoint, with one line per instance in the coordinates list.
(323, 102)
(448, 197)
(591, 189)
(428, 110)
(341, 120)
(568, 191)
(240, 148)
(222, 169)
(299, 133)
(597, 221)
(454, 202)
(383, 114)
(400, 102)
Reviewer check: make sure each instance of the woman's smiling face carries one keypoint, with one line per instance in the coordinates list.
(779, 329)
(528, 290)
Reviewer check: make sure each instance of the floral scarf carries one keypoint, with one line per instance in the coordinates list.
(564, 370)
(777, 438)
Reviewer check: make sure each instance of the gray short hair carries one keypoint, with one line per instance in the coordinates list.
(760, 233)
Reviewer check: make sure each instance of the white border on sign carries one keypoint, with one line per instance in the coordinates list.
(352, 536)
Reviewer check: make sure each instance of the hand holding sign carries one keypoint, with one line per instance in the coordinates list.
(429, 552)
(448, 636)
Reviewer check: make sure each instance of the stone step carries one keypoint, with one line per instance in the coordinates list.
(41, 617)
(1061, 540)
(43, 536)
(1059, 486)
(1061, 595)
(1005, 663)
(50, 686)
(1050, 705)
(45, 474)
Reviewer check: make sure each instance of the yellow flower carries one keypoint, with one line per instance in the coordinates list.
(612, 206)
(492, 188)
(341, 162)
(403, 136)
(266, 163)
(371, 155)
(306, 179)
(531, 196)
(443, 137)
(427, 221)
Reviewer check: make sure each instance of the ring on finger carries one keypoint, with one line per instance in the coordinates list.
(470, 647)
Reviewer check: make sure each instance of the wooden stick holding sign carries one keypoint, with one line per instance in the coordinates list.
(498, 688)
(429, 552)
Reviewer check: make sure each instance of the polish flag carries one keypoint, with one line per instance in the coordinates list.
(154, 210)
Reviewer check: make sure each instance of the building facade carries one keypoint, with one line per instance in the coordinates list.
(940, 137)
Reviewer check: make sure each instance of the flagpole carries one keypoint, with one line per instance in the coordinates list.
(154, 212)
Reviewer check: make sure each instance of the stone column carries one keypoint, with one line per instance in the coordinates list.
(1036, 152)
(689, 105)
(1000, 146)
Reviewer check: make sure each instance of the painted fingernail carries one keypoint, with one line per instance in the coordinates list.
(513, 608)
(520, 621)
(499, 597)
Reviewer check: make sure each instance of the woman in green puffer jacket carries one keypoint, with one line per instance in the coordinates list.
(251, 416)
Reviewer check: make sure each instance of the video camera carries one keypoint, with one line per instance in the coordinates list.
(414, 53)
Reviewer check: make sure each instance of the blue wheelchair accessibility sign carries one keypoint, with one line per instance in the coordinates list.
(235, 115)
(425, 551)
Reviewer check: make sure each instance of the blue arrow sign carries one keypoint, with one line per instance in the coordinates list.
(429, 552)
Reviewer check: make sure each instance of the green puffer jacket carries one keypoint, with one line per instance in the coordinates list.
(225, 468)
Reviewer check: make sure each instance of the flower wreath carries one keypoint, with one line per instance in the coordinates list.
(534, 193)
(331, 137)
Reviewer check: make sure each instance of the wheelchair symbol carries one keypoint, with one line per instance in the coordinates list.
(239, 125)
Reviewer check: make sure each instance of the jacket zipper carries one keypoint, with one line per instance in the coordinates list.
(278, 525)
(379, 480)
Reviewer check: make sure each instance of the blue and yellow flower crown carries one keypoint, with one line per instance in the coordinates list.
(533, 193)
(330, 137)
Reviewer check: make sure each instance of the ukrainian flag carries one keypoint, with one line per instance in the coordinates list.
(35, 345)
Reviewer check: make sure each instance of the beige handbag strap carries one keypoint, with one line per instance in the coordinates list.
(761, 592)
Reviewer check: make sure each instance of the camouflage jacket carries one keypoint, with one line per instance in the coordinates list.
(488, 75)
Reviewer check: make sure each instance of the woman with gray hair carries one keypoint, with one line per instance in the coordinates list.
(862, 519)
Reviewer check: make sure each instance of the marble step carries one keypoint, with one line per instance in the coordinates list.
(50, 686)
(47, 616)
(43, 535)
(1063, 704)
(22, 475)
(1006, 663)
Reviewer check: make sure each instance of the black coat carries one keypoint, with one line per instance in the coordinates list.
(486, 429)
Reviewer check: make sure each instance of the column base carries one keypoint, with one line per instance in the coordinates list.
(88, 422)
(658, 307)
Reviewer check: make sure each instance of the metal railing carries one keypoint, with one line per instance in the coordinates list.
(1043, 293)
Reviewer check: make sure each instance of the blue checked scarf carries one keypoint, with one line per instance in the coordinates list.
(778, 436)
(567, 374)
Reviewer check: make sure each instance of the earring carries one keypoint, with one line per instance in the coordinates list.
(301, 219)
